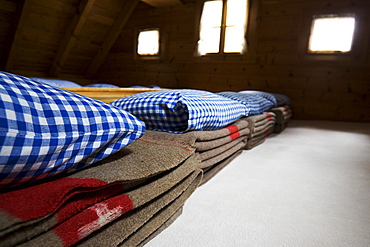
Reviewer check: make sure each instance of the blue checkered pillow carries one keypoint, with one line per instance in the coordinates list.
(45, 130)
(56, 82)
(265, 95)
(255, 103)
(182, 110)
(102, 85)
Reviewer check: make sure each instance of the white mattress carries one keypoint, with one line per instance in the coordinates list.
(308, 186)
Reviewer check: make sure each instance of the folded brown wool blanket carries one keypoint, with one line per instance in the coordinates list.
(211, 171)
(258, 124)
(162, 227)
(207, 140)
(212, 146)
(130, 178)
(256, 140)
(239, 145)
(138, 225)
(278, 128)
(259, 139)
(283, 115)
(111, 227)
(261, 126)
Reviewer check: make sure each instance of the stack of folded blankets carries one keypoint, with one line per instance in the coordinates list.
(261, 126)
(214, 124)
(266, 116)
(214, 148)
(283, 114)
(78, 171)
(122, 199)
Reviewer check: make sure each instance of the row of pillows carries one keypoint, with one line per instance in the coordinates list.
(45, 130)
(65, 83)
(184, 110)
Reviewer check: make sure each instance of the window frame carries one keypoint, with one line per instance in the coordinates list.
(250, 36)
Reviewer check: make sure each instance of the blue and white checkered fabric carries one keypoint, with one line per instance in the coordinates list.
(102, 85)
(265, 95)
(255, 103)
(182, 110)
(56, 82)
(45, 130)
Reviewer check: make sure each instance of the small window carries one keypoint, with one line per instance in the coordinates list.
(223, 27)
(148, 42)
(331, 34)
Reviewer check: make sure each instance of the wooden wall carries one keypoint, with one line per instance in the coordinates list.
(320, 89)
(8, 22)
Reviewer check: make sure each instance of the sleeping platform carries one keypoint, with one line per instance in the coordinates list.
(110, 166)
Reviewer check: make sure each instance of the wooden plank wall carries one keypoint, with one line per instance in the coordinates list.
(321, 90)
(8, 22)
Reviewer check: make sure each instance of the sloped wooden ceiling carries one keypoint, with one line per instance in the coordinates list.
(162, 3)
(62, 38)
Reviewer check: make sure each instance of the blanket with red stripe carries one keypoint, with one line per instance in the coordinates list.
(157, 215)
(261, 126)
(212, 147)
(67, 209)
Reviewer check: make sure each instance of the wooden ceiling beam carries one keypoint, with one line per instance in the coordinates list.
(162, 3)
(69, 40)
(23, 10)
(113, 34)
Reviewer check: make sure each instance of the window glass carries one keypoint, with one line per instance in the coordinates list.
(218, 37)
(148, 42)
(210, 28)
(331, 34)
(236, 18)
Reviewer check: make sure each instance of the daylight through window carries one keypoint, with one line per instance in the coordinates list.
(331, 34)
(148, 42)
(223, 27)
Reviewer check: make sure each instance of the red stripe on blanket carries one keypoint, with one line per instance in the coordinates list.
(235, 135)
(39, 200)
(270, 118)
(84, 200)
(268, 114)
(266, 132)
(92, 219)
(232, 128)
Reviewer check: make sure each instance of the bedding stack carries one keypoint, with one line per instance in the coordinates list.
(209, 122)
(261, 126)
(283, 115)
(261, 122)
(277, 104)
(283, 112)
(123, 198)
(215, 149)
(76, 171)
